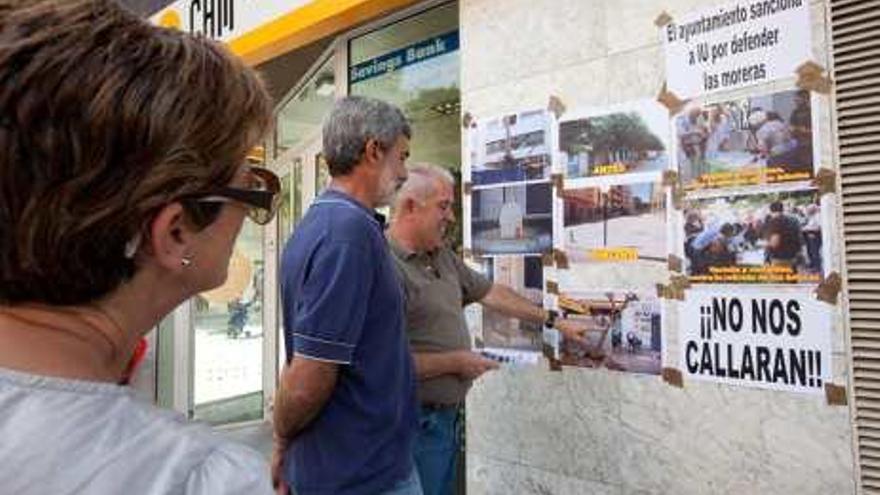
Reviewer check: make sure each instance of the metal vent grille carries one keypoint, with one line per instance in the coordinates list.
(855, 27)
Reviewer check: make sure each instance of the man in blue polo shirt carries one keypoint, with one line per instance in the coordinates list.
(345, 410)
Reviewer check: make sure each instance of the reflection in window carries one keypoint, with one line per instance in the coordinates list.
(414, 63)
(228, 368)
(301, 116)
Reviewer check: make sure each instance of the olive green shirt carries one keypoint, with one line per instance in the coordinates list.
(438, 285)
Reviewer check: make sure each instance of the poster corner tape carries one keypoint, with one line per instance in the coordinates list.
(673, 377)
(662, 19)
(467, 119)
(670, 100)
(811, 78)
(829, 288)
(552, 287)
(670, 178)
(556, 106)
(835, 395)
(675, 263)
(561, 259)
(825, 181)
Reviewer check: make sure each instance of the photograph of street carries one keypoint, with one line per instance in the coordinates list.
(515, 219)
(525, 275)
(624, 331)
(611, 143)
(757, 140)
(757, 238)
(626, 217)
(512, 148)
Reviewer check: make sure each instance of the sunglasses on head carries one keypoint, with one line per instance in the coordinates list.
(262, 198)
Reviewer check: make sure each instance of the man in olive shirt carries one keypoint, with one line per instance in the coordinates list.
(437, 286)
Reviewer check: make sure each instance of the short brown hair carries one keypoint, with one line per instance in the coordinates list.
(104, 120)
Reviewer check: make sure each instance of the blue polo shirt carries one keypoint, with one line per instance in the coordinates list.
(343, 303)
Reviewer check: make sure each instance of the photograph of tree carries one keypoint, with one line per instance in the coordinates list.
(620, 142)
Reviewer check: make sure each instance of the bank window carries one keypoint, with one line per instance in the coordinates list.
(300, 118)
(414, 63)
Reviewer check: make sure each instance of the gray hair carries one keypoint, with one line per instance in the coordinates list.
(421, 181)
(355, 120)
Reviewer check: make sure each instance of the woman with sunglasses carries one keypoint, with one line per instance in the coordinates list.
(122, 191)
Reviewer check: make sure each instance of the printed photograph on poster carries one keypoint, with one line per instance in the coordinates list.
(525, 275)
(628, 140)
(756, 140)
(512, 148)
(624, 330)
(756, 339)
(755, 238)
(623, 223)
(512, 219)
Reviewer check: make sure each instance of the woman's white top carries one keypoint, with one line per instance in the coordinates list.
(60, 436)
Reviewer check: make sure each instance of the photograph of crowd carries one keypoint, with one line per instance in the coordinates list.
(525, 275)
(513, 148)
(613, 143)
(756, 140)
(626, 216)
(514, 219)
(624, 331)
(757, 238)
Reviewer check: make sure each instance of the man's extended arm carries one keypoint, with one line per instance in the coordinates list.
(467, 364)
(505, 300)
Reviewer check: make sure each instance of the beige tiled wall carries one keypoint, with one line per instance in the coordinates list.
(595, 431)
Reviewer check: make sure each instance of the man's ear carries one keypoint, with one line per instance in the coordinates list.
(171, 237)
(372, 151)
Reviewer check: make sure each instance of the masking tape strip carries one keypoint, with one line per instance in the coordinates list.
(552, 287)
(663, 19)
(825, 181)
(673, 377)
(829, 288)
(835, 395)
(811, 78)
(669, 100)
(561, 259)
(670, 178)
(466, 120)
(675, 263)
(555, 105)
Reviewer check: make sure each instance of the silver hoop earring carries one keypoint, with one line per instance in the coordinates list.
(185, 261)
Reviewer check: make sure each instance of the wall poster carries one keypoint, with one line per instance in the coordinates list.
(776, 341)
(751, 141)
(760, 238)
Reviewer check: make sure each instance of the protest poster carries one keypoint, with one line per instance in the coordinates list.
(512, 219)
(735, 45)
(512, 148)
(758, 140)
(625, 139)
(624, 330)
(617, 223)
(525, 275)
(756, 339)
(763, 238)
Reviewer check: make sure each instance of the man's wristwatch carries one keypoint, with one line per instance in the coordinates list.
(551, 318)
